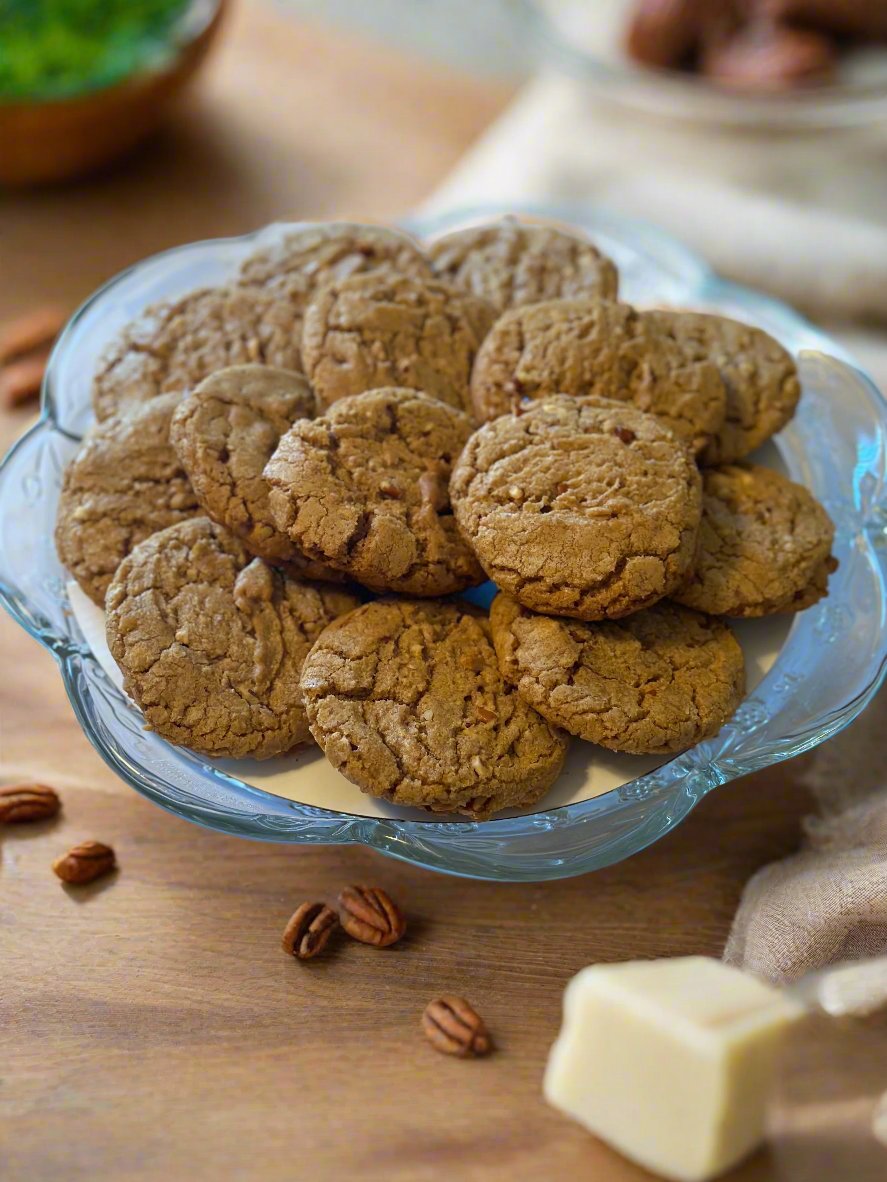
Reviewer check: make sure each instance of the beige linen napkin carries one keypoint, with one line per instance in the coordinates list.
(805, 218)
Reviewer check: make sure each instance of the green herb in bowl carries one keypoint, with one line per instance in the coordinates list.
(54, 49)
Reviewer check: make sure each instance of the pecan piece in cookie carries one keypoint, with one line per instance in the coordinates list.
(407, 701)
(657, 682)
(509, 263)
(364, 489)
(764, 545)
(211, 640)
(579, 507)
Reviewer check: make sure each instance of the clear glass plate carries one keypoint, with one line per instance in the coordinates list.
(831, 663)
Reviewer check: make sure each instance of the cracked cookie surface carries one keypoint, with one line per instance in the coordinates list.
(295, 267)
(124, 484)
(211, 640)
(509, 264)
(407, 701)
(365, 489)
(654, 683)
(176, 344)
(379, 329)
(224, 432)
(760, 377)
(579, 507)
(599, 348)
(764, 545)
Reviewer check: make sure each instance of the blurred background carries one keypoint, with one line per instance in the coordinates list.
(753, 130)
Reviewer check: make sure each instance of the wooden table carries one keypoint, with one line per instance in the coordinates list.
(150, 1026)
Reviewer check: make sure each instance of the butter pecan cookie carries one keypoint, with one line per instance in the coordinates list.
(174, 345)
(224, 432)
(211, 640)
(365, 489)
(380, 329)
(579, 507)
(764, 545)
(656, 682)
(509, 264)
(295, 267)
(760, 377)
(599, 348)
(124, 484)
(407, 701)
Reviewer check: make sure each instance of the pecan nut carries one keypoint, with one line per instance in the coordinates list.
(368, 914)
(27, 802)
(453, 1027)
(85, 862)
(21, 381)
(34, 330)
(309, 930)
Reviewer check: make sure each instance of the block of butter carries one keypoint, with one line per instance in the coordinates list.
(670, 1061)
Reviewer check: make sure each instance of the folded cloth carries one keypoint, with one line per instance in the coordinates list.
(802, 216)
(828, 902)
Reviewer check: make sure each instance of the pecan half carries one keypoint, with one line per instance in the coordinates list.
(27, 802)
(453, 1027)
(36, 329)
(369, 915)
(21, 381)
(85, 862)
(309, 930)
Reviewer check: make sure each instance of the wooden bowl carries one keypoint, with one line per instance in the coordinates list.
(59, 139)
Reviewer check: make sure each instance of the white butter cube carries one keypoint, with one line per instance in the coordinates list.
(670, 1061)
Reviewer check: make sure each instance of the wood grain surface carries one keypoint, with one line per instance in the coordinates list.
(150, 1026)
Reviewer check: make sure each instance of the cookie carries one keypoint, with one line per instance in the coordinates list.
(407, 701)
(579, 507)
(175, 345)
(328, 252)
(211, 640)
(365, 489)
(654, 683)
(598, 348)
(764, 545)
(760, 377)
(224, 432)
(379, 329)
(510, 264)
(124, 484)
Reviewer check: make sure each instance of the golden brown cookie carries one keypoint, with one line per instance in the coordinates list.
(211, 640)
(579, 507)
(174, 345)
(379, 329)
(509, 264)
(327, 252)
(764, 545)
(656, 682)
(365, 489)
(760, 377)
(407, 701)
(124, 484)
(224, 432)
(600, 348)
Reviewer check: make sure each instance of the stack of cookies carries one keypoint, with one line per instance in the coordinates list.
(292, 478)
